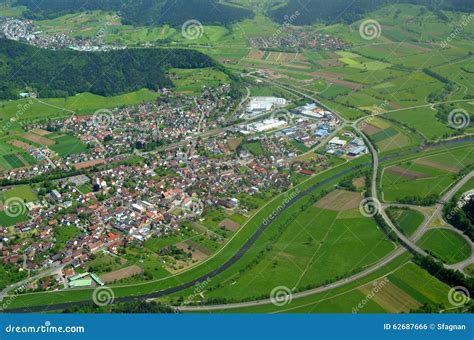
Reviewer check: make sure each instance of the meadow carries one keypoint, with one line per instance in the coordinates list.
(446, 245)
(81, 104)
(67, 145)
(407, 220)
(192, 81)
(24, 192)
(389, 136)
(316, 247)
(424, 121)
(403, 286)
(425, 175)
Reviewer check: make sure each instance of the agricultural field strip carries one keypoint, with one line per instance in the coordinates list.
(443, 190)
(286, 310)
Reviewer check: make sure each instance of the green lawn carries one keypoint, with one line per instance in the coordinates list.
(424, 121)
(255, 148)
(82, 104)
(397, 187)
(384, 134)
(421, 285)
(191, 81)
(446, 245)
(63, 234)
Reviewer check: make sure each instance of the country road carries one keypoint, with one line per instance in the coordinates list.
(439, 207)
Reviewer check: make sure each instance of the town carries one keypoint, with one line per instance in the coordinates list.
(153, 173)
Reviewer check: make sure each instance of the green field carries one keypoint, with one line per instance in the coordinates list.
(8, 221)
(191, 81)
(18, 194)
(24, 192)
(62, 234)
(397, 187)
(446, 245)
(407, 220)
(255, 148)
(82, 104)
(316, 247)
(411, 282)
(424, 121)
(68, 145)
(437, 175)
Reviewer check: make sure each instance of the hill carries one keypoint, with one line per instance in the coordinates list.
(335, 11)
(62, 73)
(143, 12)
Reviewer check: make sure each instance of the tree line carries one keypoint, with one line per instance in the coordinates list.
(335, 11)
(142, 12)
(67, 72)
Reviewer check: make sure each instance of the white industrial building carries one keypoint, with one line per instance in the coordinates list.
(265, 125)
(264, 104)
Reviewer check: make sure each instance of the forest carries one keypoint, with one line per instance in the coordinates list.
(334, 11)
(142, 12)
(67, 72)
